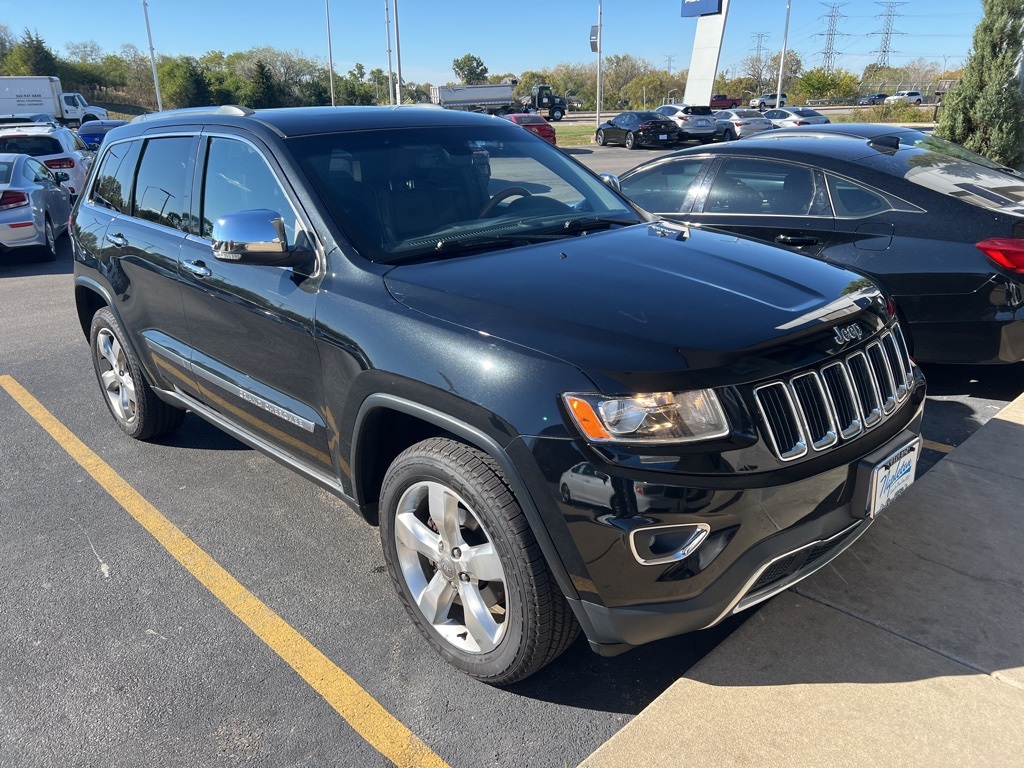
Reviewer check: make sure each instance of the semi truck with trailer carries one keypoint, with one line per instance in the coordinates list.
(499, 99)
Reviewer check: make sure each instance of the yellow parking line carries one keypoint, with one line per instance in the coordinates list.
(369, 719)
(941, 447)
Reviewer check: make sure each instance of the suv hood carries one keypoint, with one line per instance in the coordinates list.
(640, 304)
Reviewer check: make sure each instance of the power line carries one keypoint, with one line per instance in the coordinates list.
(890, 15)
(828, 56)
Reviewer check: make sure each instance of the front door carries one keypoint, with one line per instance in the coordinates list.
(254, 354)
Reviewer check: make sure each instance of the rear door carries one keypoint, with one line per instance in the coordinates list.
(782, 203)
(133, 225)
(254, 353)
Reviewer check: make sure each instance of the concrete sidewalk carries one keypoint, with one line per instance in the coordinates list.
(908, 650)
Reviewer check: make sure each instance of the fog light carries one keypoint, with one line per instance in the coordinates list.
(665, 544)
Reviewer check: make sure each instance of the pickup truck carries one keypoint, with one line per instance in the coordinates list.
(721, 101)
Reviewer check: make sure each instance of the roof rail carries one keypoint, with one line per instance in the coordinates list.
(29, 124)
(226, 109)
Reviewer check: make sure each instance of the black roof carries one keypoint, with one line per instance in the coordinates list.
(824, 149)
(302, 121)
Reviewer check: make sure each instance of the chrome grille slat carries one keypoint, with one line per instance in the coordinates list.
(817, 409)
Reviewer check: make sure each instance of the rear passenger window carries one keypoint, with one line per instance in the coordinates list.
(113, 186)
(237, 178)
(162, 184)
(853, 201)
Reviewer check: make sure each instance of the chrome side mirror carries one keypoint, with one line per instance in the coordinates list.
(612, 181)
(255, 237)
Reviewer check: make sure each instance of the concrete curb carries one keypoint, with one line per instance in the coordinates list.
(908, 650)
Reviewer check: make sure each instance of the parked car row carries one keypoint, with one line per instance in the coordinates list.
(670, 124)
(43, 167)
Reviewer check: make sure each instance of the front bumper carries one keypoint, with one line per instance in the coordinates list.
(765, 533)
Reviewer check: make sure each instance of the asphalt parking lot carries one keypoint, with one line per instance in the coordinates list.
(190, 602)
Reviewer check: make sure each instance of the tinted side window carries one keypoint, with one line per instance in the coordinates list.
(162, 184)
(113, 186)
(664, 188)
(853, 201)
(237, 178)
(36, 171)
(746, 185)
(78, 143)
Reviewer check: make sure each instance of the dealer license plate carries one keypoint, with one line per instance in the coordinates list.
(662, 137)
(892, 476)
(702, 122)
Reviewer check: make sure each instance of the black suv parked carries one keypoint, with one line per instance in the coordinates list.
(561, 414)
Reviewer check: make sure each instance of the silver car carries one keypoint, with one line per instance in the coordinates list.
(732, 124)
(793, 116)
(694, 122)
(34, 205)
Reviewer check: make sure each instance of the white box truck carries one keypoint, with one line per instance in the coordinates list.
(44, 95)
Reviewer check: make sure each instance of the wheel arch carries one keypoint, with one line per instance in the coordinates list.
(370, 460)
(90, 297)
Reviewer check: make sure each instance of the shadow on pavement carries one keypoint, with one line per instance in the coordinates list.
(993, 382)
(24, 262)
(626, 683)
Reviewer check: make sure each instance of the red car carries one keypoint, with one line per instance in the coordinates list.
(535, 124)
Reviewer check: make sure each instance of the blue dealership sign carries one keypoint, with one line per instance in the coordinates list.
(701, 7)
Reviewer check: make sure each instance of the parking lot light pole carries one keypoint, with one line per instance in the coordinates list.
(398, 59)
(782, 59)
(599, 92)
(330, 51)
(152, 58)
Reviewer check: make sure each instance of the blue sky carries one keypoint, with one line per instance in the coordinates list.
(508, 36)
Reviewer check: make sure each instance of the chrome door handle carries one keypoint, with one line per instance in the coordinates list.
(118, 239)
(796, 240)
(196, 268)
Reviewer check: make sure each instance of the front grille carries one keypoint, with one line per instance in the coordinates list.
(816, 409)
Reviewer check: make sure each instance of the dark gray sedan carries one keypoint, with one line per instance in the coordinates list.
(34, 205)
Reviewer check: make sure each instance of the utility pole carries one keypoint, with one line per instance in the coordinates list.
(885, 48)
(600, 94)
(152, 58)
(828, 56)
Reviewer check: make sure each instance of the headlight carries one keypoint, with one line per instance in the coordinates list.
(660, 417)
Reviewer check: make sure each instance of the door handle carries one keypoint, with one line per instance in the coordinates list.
(117, 239)
(196, 268)
(796, 240)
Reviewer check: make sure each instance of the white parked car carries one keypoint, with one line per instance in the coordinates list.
(766, 100)
(56, 147)
(793, 116)
(911, 97)
(694, 122)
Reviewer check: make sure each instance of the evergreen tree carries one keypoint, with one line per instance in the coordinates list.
(31, 56)
(985, 110)
(261, 90)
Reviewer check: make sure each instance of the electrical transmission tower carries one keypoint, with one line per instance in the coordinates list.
(828, 56)
(759, 38)
(885, 48)
(668, 62)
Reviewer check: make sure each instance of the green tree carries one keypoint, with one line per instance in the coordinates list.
(31, 56)
(821, 83)
(985, 110)
(182, 83)
(260, 91)
(470, 69)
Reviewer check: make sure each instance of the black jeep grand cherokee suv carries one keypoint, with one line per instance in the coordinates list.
(562, 414)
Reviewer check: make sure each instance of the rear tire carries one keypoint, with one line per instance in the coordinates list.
(631, 141)
(467, 566)
(729, 136)
(48, 251)
(131, 401)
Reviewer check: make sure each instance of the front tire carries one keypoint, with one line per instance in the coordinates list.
(556, 115)
(631, 141)
(599, 138)
(467, 566)
(131, 401)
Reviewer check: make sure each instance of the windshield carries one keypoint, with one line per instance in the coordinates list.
(406, 193)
